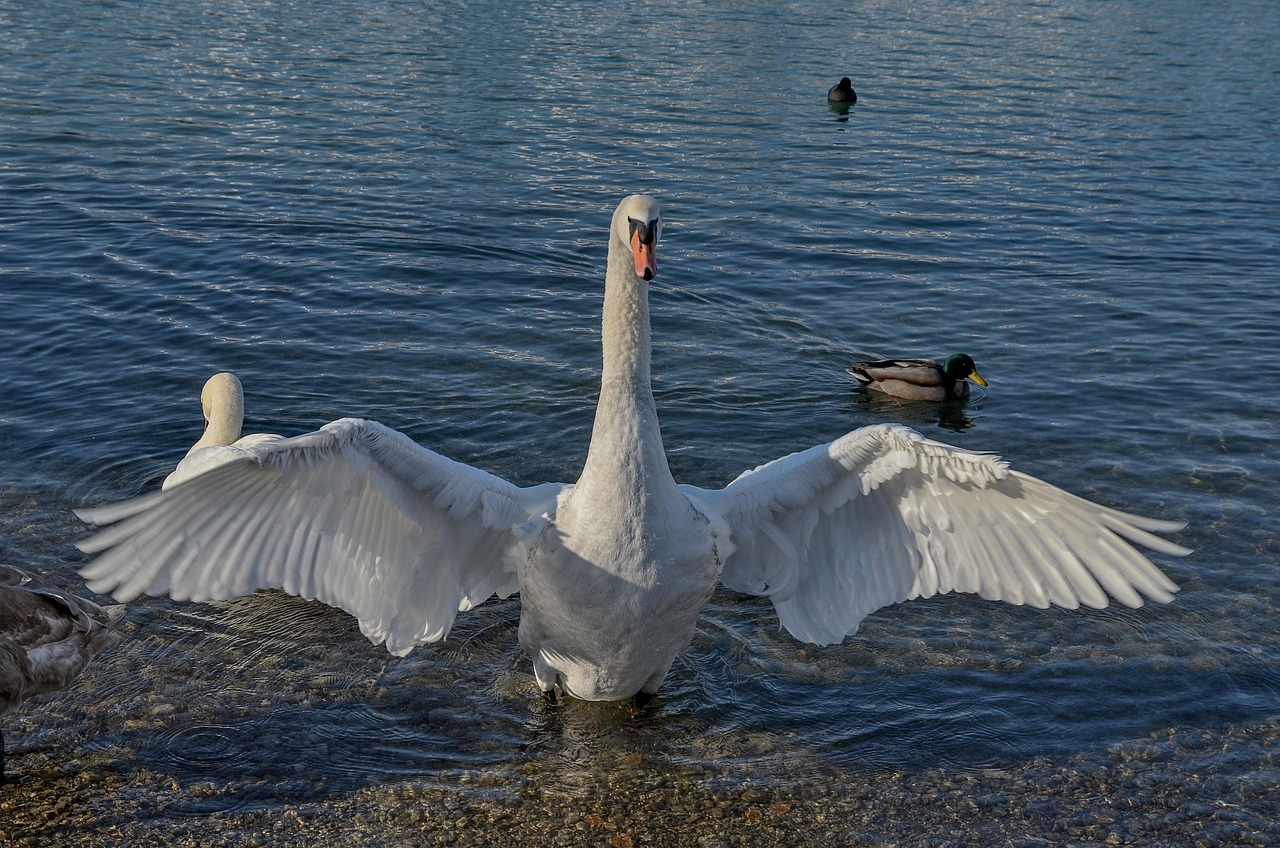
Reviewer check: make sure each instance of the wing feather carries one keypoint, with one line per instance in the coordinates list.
(355, 515)
(883, 515)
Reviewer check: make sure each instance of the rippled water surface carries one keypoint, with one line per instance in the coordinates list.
(398, 211)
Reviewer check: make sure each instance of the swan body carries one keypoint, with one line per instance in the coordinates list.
(920, 379)
(613, 569)
(47, 637)
(842, 92)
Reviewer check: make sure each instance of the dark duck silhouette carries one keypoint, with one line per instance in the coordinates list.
(47, 637)
(842, 92)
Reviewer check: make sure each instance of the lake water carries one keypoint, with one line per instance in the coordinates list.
(398, 211)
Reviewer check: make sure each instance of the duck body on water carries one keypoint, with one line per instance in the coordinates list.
(842, 92)
(613, 570)
(919, 379)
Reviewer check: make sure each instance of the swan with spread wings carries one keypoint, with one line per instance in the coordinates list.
(614, 569)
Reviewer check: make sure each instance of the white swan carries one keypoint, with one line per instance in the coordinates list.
(47, 637)
(614, 569)
(222, 399)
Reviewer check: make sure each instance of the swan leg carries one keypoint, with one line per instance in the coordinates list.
(547, 678)
(545, 674)
(651, 685)
(639, 701)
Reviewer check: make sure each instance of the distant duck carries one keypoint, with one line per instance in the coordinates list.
(920, 379)
(842, 92)
(223, 401)
(47, 637)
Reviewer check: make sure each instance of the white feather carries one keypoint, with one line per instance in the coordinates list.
(923, 519)
(354, 514)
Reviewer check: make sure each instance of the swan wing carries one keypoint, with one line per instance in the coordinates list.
(355, 515)
(884, 515)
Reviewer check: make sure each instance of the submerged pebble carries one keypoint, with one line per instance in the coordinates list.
(1082, 799)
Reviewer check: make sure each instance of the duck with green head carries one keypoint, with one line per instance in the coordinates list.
(920, 379)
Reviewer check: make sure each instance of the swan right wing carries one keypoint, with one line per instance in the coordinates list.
(884, 515)
(355, 515)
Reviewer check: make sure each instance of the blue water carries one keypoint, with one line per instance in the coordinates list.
(398, 211)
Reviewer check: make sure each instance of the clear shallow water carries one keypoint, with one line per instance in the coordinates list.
(399, 212)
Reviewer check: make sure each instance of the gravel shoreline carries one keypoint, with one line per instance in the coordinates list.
(1133, 795)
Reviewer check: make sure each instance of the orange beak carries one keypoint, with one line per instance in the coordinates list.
(645, 256)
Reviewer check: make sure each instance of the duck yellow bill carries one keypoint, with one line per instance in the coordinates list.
(977, 378)
(645, 257)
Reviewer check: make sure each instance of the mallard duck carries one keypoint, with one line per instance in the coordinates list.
(614, 570)
(842, 92)
(920, 379)
(47, 637)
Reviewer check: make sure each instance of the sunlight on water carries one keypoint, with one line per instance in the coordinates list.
(397, 211)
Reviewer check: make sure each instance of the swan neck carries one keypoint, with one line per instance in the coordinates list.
(625, 339)
(223, 403)
(626, 441)
(219, 431)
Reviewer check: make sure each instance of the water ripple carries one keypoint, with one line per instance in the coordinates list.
(397, 211)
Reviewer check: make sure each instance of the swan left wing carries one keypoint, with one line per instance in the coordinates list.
(884, 515)
(355, 515)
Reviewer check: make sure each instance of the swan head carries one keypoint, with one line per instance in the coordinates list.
(636, 224)
(222, 399)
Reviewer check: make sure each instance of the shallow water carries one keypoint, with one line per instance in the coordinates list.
(398, 211)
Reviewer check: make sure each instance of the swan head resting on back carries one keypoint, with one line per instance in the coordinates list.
(614, 569)
(222, 400)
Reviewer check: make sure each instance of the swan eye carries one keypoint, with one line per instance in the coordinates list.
(646, 231)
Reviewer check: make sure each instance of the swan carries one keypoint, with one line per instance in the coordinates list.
(842, 92)
(614, 569)
(920, 379)
(47, 637)
(222, 399)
